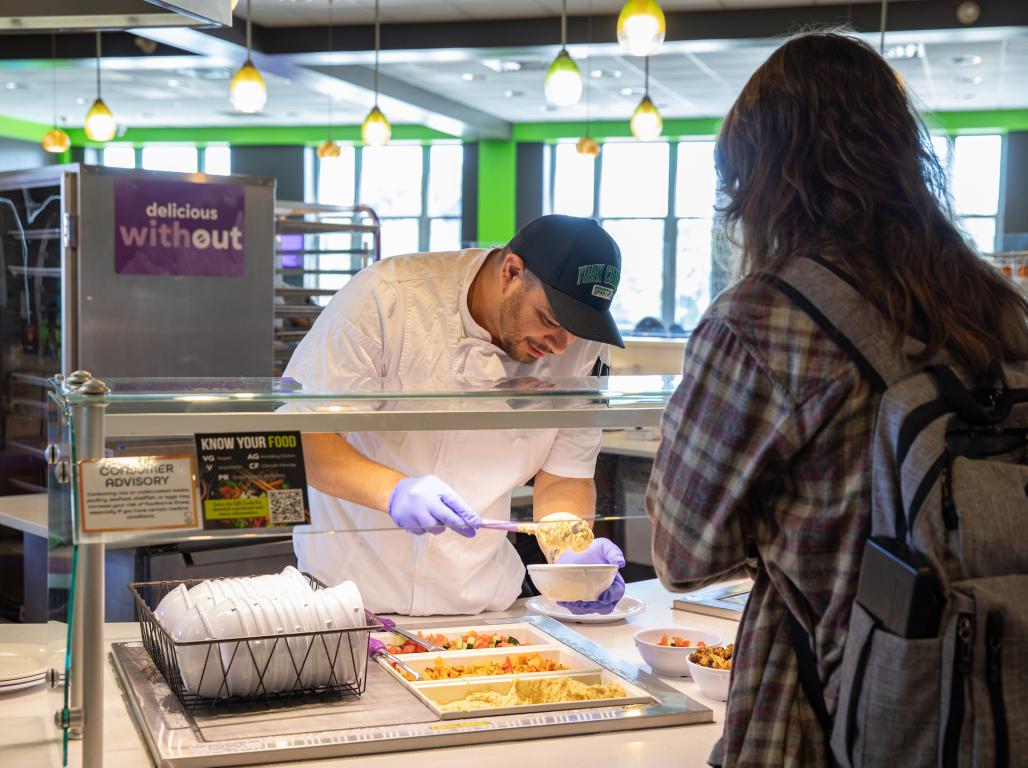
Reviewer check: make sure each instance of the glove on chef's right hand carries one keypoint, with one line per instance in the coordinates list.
(424, 504)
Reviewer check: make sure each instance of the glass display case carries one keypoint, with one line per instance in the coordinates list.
(90, 508)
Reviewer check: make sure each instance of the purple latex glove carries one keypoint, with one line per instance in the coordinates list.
(600, 551)
(425, 504)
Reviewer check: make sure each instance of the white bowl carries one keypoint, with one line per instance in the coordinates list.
(572, 582)
(296, 580)
(231, 618)
(668, 661)
(266, 651)
(174, 607)
(316, 667)
(712, 682)
(200, 665)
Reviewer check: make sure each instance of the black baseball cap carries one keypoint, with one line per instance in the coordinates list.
(579, 266)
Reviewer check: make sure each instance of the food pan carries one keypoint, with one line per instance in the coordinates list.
(419, 662)
(525, 634)
(437, 694)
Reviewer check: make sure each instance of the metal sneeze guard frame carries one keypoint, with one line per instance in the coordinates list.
(96, 410)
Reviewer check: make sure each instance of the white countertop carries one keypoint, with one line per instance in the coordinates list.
(27, 736)
(26, 512)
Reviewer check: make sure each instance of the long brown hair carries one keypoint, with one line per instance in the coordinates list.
(823, 153)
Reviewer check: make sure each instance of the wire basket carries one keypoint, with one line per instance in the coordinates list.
(278, 667)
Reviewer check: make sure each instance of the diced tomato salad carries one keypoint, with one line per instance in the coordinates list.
(466, 642)
(674, 641)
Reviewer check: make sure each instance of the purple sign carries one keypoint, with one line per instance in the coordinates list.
(178, 228)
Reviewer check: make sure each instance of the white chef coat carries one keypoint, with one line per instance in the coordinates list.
(406, 317)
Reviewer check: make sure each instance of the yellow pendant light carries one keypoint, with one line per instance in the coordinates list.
(247, 91)
(375, 130)
(100, 124)
(641, 27)
(55, 140)
(329, 148)
(646, 121)
(587, 146)
(563, 84)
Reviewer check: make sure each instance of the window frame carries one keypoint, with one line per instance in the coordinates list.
(423, 218)
(669, 273)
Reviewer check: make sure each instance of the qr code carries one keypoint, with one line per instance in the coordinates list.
(286, 507)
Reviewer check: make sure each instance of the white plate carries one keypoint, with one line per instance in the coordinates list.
(21, 661)
(627, 606)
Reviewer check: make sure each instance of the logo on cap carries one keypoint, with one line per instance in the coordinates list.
(599, 273)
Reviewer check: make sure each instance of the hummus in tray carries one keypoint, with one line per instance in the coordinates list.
(538, 691)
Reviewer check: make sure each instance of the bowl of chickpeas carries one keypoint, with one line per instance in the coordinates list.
(711, 668)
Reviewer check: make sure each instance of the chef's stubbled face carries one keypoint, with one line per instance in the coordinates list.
(528, 329)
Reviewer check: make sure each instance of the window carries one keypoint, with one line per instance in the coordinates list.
(972, 165)
(657, 201)
(217, 160)
(975, 182)
(119, 155)
(415, 190)
(180, 158)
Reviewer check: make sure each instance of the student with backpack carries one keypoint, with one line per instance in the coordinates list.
(851, 429)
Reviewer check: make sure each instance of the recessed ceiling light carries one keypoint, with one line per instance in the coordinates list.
(632, 91)
(613, 74)
(468, 77)
(510, 93)
(968, 79)
(502, 65)
(908, 51)
(80, 100)
(967, 60)
(173, 83)
(13, 86)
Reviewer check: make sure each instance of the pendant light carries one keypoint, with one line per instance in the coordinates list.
(329, 148)
(641, 27)
(563, 83)
(100, 124)
(646, 120)
(247, 91)
(587, 145)
(375, 131)
(55, 140)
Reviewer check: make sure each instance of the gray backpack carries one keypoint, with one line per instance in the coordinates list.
(935, 668)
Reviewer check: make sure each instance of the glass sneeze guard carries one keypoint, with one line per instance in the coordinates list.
(156, 417)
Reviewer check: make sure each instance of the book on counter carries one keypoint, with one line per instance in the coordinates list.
(726, 600)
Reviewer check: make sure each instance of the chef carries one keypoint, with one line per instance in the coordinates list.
(538, 307)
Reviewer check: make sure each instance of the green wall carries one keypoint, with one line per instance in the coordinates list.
(497, 160)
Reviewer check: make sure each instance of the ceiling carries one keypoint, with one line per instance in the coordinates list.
(289, 13)
(953, 69)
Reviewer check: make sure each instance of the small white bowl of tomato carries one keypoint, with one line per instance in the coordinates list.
(667, 649)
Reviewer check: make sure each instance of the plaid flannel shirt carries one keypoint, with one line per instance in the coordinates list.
(765, 466)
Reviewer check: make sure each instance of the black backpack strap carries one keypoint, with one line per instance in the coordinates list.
(810, 680)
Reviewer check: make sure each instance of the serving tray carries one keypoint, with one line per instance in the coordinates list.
(389, 717)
